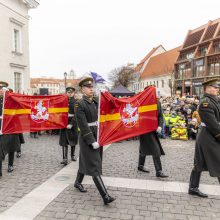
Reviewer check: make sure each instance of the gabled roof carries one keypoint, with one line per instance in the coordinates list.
(161, 64)
(140, 65)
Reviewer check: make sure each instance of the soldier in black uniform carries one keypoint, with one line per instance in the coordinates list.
(90, 158)
(207, 149)
(69, 135)
(150, 145)
(9, 143)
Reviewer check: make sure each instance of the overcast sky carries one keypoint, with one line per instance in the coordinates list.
(100, 35)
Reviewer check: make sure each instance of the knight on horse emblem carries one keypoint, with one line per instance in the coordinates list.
(39, 110)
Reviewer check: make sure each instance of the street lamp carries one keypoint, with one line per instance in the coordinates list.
(65, 75)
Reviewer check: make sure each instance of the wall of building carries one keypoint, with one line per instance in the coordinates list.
(14, 16)
(162, 84)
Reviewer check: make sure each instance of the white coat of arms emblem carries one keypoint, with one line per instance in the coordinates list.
(129, 115)
(39, 110)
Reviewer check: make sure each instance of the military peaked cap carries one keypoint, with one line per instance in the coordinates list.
(70, 89)
(211, 82)
(3, 84)
(86, 81)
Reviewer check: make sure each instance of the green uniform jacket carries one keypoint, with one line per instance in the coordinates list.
(90, 160)
(207, 150)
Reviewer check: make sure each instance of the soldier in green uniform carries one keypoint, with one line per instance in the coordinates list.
(207, 149)
(90, 157)
(69, 135)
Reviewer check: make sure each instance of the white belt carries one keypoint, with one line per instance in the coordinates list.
(203, 124)
(70, 115)
(95, 123)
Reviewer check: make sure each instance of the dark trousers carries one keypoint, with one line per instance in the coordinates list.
(195, 178)
(11, 158)
(0, 166)
(156, 160)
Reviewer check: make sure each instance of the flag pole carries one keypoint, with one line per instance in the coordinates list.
(99, 116)
(2, 111)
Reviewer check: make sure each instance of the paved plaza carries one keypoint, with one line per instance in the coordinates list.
(40, 188)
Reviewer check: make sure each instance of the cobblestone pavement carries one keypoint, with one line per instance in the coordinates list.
(40, 159)
(130, 204)
(121, 160)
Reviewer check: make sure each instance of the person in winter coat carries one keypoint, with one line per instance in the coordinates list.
(207, 149)
(90, 157)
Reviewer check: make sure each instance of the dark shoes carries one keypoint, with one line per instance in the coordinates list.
(64, 162)
(74, 158)
(160, 174)
(10, 169)
(108, 199)
(197, 192)
(143, 169)
(80, 187)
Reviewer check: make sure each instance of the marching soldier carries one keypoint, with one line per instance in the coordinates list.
(150, 145)
(207, 149)
(9, 143)
(69, 135)
(90, 158)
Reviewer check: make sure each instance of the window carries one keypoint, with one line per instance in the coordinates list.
(17, 41)
(162, 83)
(157, 84)
(17, 82)
(214, 69)
(217, 48)
(199, 71)
(203, 51)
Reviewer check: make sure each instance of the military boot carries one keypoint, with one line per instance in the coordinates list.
(73, 157)
(102, 190)
(10, 161)
(0, 167)
(65, 155)
(78, 182)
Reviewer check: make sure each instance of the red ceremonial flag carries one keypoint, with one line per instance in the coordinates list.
(24, 113)
(122, 118)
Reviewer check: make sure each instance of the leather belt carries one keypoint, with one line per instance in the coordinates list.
(95, 123)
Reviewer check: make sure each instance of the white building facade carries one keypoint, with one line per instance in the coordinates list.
(14, 43)
(158, 71)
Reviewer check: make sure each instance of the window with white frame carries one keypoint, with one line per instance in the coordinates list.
(17, 82)
(17, 40)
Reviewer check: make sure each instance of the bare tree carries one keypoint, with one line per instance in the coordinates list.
(122, 75)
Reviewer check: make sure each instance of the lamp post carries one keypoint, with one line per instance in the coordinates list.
(65, 75)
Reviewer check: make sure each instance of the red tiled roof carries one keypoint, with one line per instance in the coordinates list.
(140, 65)
(161, 64)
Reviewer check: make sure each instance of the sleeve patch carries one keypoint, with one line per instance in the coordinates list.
(205, 104)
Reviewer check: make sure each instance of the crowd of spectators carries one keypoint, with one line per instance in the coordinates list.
(181, 117)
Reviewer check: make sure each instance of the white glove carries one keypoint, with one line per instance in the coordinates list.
(69, 126)
(95, 145)
(5, 89)
(159, 129)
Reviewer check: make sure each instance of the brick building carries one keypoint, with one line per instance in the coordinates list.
(199, 58)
